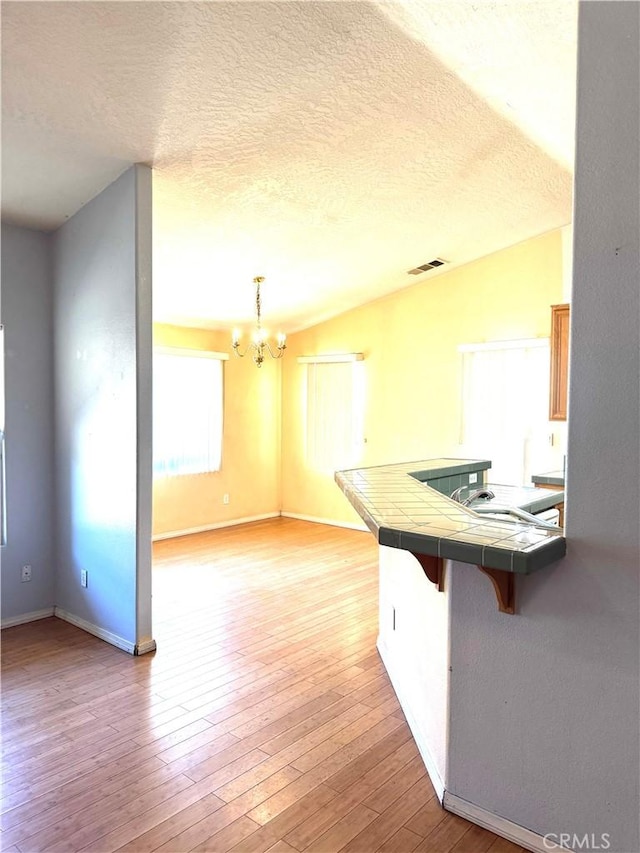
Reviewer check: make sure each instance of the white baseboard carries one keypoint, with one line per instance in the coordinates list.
(350, 525)
(172, 534)
(432, 768)
(145, 647)
(107, 636)
(26, 617)
(133, 649)
(500, 825)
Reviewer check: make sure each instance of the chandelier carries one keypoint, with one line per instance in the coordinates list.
(259, 341)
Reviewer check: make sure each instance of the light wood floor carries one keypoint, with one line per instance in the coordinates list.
(265, 720)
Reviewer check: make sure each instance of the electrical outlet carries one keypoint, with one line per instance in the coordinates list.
(225, 499)
(84, 577)
(25, 575)
(473, 478)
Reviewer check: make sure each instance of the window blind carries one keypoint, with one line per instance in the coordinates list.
(505, 401)
(187, 412)
(335, 414)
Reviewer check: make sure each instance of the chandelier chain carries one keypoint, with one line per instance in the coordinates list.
(258, 306)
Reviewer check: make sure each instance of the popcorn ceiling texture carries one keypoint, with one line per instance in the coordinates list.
(329, 146)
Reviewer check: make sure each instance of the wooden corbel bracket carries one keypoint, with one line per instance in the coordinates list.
(433, 568)
(503, 582)
(504, 585)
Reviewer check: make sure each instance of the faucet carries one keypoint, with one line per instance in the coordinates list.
(486, 494)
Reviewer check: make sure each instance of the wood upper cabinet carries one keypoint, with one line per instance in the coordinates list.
(559, 362)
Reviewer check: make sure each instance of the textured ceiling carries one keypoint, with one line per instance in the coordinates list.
(329, 146)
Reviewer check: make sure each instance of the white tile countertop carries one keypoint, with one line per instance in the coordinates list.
(403, 511)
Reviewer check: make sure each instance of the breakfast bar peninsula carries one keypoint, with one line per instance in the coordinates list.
(434, 558)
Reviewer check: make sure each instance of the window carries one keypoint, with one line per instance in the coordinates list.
(335, 411)
(187, 412)
(505, 405)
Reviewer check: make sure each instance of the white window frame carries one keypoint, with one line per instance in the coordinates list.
(210, 459)
(334, 427)
(529, 444)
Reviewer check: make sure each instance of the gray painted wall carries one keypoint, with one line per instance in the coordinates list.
(544, 704)
(144, 404)
(26, 314)
(102, 364)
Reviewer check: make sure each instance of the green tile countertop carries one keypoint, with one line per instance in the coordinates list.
(551, 478)
(403, 511)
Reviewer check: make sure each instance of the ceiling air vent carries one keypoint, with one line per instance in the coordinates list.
(431, 265)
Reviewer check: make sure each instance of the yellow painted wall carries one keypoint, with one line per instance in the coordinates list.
(412, 365)
(251, 444)
(410, 342)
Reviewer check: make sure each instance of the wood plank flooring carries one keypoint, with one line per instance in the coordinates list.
(265, 721)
